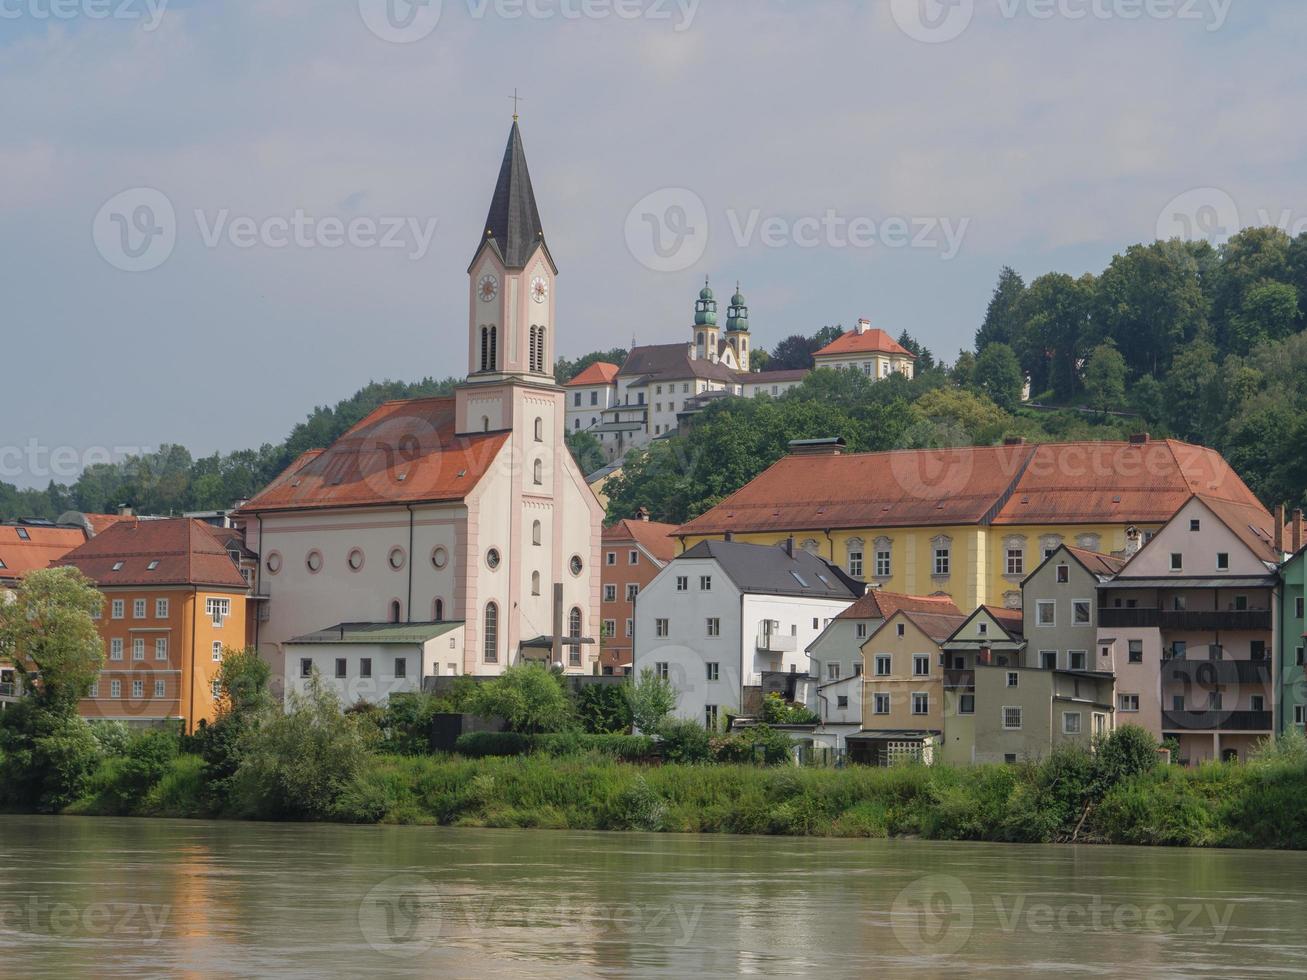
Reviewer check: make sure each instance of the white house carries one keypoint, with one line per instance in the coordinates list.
(722, 614)
(589, 393)
(465, 510)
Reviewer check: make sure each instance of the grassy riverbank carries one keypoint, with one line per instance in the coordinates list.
(1259, 804)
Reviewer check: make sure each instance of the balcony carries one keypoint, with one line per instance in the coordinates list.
(1216, 720)
(1211, 673)
(959, 680)
(772, 642)
(1196, 621)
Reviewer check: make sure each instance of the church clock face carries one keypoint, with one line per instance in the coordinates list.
(539, 289)
(488, 288)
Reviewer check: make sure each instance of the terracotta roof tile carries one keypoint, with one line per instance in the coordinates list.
(873, 341)
(186, 551)
(1010, 619)
(404, 452)
(879, 604)
(599, 373)
(1096, 563)
(654, 537)
(1250, 523)
(938, 626)
(43, 545)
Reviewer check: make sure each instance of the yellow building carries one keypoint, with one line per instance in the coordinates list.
(973, 521)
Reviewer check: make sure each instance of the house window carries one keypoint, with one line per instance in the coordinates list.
(920, 704)
(682, 583)
(575, 626)
(628, 627)
(633, 558)
(138, 689)
(538, 473)
(1301, 658)
(632, 590)
(1257, 650)
(138, 648)
(714, 627)
(1048, 659)
(218, 610)
(967, 704)
(1177, 561)
(342, 668)
(401, 667)
(661, 628)
(160, 608)
(920, 664)
(161, 648)
(216, 652)
(138, 609)
(1298, 607)
(883, 663)
(1016, 561)
(1136, 651)
(1179, 649)
(438, 610)
(1063, 574)
(365, 666)
(535, 533)
(842, 702)
(610, 558)
(610, 628)
(116, 649)
(705, 583)
(1046, 612)
(1179, 603)
(610, 593)
(1012, 718)
(1222, 560)
(306, 667)
(540, 430)
(832, 672)
(861, 631)
(883, 563)
(855, 563)
(1241, 603)
(881, 706)
(1257, 702)
(661, 670)
(1080, 612)
(535, 583)
(710, 717)
(941, 561)
(160, 688)
(1300, 714)
(1071, 723)
(982, 628)
(1076, 659)
(713, 671)
(1127, 702)
(490, 640)
(1013, 678)
(115, 689)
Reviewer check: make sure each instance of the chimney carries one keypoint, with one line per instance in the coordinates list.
(817, 447)
(1014, 441)
(1133, 539)
(643, 514)
(730, 536)
(1280, 540)
(1139, 438)
(125, 510)
(789, 546)
(863, 325)
(1299, 535)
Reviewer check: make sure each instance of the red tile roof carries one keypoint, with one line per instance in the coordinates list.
(102, 522)
(654, 537)
(1250, 524)
(773, 377)
(879, 604)
(939, 626)
(43, 545)
(599, 373)
(1095, 563)
(186, 551)
(404, 452)
(1053, 483)
(873, 341)
(1010, 619)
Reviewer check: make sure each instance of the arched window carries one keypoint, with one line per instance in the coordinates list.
(438, 611)
(531, 358)
(539, 473)
(540, 350)
(700, 338)
(535, 583)
(535, 533)
(490, 643)
(395, 611)
(485, 423)
(540, 430)
(494, 349)
(574, 632)
(485, 349)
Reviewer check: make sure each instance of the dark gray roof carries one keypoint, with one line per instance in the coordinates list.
(661, 362)
(403, 633)
(513, 225)
(770, 570)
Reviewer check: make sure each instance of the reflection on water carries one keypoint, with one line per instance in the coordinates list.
(148, 897)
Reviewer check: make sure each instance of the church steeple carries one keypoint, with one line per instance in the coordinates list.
(705, 324)
(513, 227)
(737, 328)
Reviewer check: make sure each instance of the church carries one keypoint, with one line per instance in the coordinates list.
(442, 536)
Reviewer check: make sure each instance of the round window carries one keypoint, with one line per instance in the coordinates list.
(492, 557)
(314, 561)
(397, 558)
(356, 559)
(440, 557)
(274, 562)
(577, 565)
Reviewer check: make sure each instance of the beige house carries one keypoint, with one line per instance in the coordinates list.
(869, 350)
(1024, 713)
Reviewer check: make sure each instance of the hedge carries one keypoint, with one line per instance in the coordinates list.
(628, 748)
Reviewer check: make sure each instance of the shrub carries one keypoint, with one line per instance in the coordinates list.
(756, 744)
(652, 699)
(628, 748)
(685, 742)
(603, 709)
(529, 697)
(1127, 752)
(405, 723)
(776, 712)
(478, 745)
(47, 757)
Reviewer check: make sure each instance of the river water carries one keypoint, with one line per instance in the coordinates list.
(135, 898)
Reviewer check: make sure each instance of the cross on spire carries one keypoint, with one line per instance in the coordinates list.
(516, 99)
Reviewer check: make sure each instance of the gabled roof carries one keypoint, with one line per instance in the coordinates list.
(513, 226)
(938, 626)
(879, 604)
(668, 362)
(184, 552)
(1011, 620)
(42, 545)
(873, 341)
(598, 373)
(773, 377)
(1251, 524)
(654, 537)
(1095, 563)
(404, 452)
(1053, 483)
(1008, 620)
(771, 570)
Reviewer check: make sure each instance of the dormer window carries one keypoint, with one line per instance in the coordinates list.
(152, 566)
(23, 535)
(117, 566)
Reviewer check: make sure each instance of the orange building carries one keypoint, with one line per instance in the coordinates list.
(634, 551)
(174, 600)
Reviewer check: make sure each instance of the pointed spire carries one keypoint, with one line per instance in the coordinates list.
(513, 224)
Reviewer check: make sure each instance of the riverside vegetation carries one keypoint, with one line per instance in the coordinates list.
(565, 762)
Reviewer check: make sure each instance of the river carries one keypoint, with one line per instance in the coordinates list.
(136, 898)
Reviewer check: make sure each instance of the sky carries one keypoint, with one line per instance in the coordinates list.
(216, 216)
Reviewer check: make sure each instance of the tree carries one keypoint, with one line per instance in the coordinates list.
(1105, 378)
(1269, 312)
(529, 697)
(565, 370)
(925, 359)
(1003, 318)
(51, 637)
(1055, 329)
(587, 451)
(791, 354)
(652, 699)
(759, 360)
(603, 709)
(243, 681)
(963, 371)
(998, 374)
